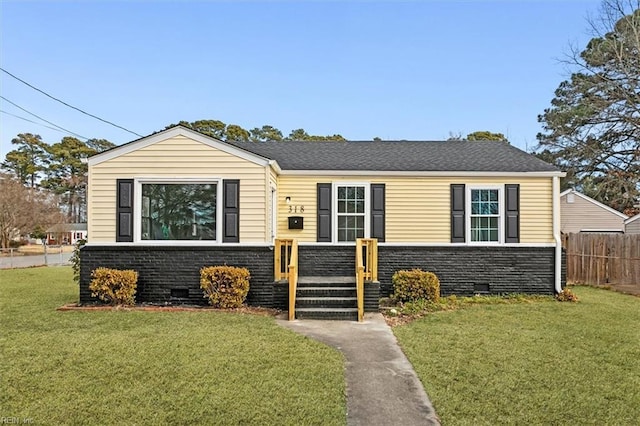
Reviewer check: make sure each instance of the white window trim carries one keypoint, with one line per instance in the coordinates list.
(137, 210)
(467, 207)
(334, 209)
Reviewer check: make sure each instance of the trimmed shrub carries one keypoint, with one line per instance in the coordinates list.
(566, 295)
(114, 286)
(225, 286)
(415, 285)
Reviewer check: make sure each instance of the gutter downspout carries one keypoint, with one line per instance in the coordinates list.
(556, 233)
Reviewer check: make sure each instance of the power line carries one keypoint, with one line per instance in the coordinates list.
(31, 121)
(38, 117)
(70, 106)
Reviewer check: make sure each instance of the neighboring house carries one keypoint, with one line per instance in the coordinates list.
(67, 233)
(584, 214)
(632, 225)
(484, 216)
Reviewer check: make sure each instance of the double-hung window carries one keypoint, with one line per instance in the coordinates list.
(179, 211)
(485, 206)
(351, 212)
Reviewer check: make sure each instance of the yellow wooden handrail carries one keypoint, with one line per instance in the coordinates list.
(366, 268)
(285, 267)
(293, 279)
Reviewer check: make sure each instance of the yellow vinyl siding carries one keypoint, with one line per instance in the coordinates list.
(418, 208)
(178, 157)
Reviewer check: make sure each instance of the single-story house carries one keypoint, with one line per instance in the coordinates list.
(581, 213)
(67, 233)
(483, 215)
(632, 225)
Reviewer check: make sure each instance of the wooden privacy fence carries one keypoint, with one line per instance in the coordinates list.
(603, 258)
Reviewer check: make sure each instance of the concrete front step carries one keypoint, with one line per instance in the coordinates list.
(344, 314)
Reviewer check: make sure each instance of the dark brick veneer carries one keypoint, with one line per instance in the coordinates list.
(462, 270)
(468, 270)
(161, 269)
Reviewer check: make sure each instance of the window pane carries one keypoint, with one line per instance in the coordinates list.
(484, 228)
(179, 211)
(351, 210)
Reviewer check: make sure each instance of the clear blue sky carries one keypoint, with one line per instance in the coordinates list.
(413, 70)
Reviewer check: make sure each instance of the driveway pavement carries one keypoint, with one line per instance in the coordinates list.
(382, 386)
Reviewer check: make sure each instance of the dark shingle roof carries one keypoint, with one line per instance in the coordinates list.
(445, 156)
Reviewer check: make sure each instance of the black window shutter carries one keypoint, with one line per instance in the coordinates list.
(231, 211)
(324, 213)
(377, 211)
(457, 213)
(124, 210)
(512, 213)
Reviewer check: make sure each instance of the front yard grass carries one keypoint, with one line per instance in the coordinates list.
(533, 363)
(133, 367)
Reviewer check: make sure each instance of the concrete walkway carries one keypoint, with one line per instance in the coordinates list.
(382, 387)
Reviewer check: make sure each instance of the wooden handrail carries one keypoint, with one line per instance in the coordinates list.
(293, 279)
(285, 267)
(366, 268)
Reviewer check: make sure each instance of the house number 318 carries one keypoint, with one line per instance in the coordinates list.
(296, 209)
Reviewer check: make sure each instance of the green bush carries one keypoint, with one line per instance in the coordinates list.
(566, 295)
(225, 286)
(114, 286)
(415, 285)
(75, 259)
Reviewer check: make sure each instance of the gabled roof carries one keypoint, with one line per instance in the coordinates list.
(443, 156)
(632, 219)
(364, 156)
(591, 200)
(172, 133)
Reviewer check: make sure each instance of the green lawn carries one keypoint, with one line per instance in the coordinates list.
(535, 363)
(136, 367)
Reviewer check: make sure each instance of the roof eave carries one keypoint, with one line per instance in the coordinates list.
(425, 173)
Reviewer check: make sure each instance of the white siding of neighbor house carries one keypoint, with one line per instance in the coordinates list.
(418, 208)
(178, 157)
(583, 215)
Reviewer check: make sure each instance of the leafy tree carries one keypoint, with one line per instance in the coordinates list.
(99, 145)
(66, 175)
(237, 133)
(233, 132)
(28, 160)
(302, 135)
(266, 133)
(592, 128)
(484, 135)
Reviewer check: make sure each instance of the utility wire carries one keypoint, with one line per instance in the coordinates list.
(31, 121)
(38, 117)
(70, 106)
